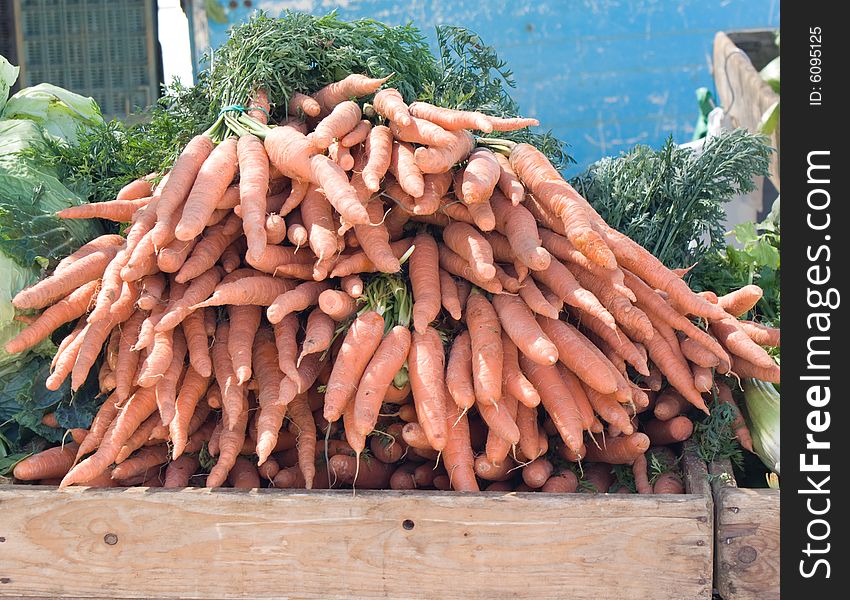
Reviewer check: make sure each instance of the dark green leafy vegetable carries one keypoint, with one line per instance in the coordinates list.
(303, 53)
(671, 200)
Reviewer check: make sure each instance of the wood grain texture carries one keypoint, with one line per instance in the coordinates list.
(201, 543)
(747, 538)
(743, 93)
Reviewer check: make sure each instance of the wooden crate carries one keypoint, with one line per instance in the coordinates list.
(740, 89)
(747, 538)
(201, 543)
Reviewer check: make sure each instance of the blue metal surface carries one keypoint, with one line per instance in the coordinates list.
(602, 74)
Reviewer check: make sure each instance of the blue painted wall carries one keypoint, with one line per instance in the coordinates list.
(602, 74)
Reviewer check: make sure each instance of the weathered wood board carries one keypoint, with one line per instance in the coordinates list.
(747, 538)
(201, 543)
(741, 90)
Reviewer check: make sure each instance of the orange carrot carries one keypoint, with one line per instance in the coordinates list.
(139, 407)
(518, 322)
(138, 188)
(304, 427)
(519, 226)
(208, 250)
(375, 240)
(152, 288)
(467, 242)
(560, 198)
(47, 464)
(457, 455)
(639, 261)
(213, 179)
(425, 281)
(641, 475)
(378, 151)
(578, 354)
(448, 295)
(456, 265)
(200, 288)
(230, 443)
(256, 289)
(69, 308)
(317, 215)
(119, 211)
(676, 371)
(565, 286)
(760, 334)
(439, 159)
(427, 380)
(450, 119)
(271, 409)
(536, 473)
(489, 471)
(741, 301)
(245, 320)
(300, 298)
(336, 187)
(337, 305)
(231, 391)
(698, 354)
(404, 169)
(179, 471)
(703, 378)
(509, 184)
(343, 118)
(620, 450)
(459, 372)
(143, 463)
(515, 382)
(383, 366)
(511, 124)
(49, 290)
(358, 347)
(563, 482)
(197, 343)
(669, 404)
(496, 447)
(358, 472)
(655, 305)
(487, 351)
(193, 387)
(526, 421)
(357, 135)
(253, 187)
(663, 433)
(480, 176)
(558, 401)
(353, 86)
(730, 334)
(421, 131)
(744, 368)
(318, 334)
(183, 175)
(305, 104)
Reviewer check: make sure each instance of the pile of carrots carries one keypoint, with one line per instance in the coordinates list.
(245, 334)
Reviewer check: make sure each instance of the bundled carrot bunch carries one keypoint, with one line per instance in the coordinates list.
(255, 320)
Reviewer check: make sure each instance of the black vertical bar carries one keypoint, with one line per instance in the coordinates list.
(815, 246)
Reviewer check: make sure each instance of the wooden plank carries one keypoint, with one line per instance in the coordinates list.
(746, 538)
(742, 93)
(201, 543)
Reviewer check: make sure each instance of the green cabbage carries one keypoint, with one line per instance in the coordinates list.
(58, 111)
(33, 239)
(8, 76)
